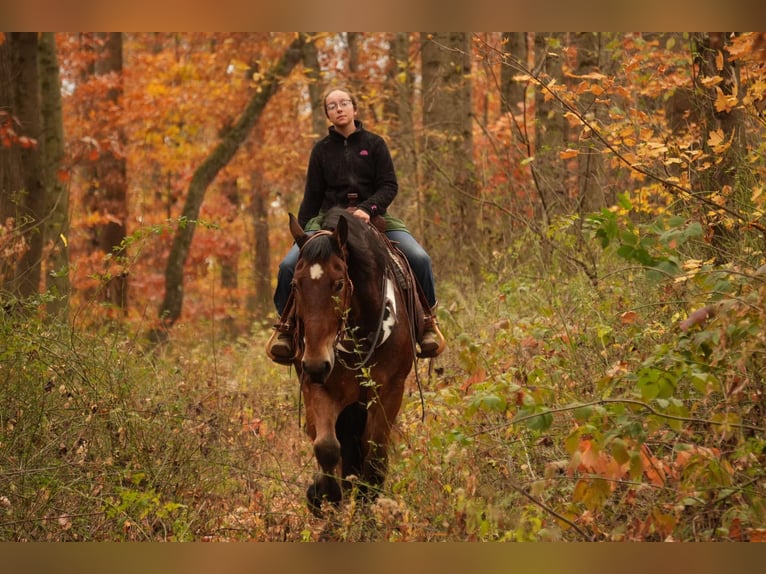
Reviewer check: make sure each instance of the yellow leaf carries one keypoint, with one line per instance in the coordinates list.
(719, 60)
(572, 118)
(715, 138)
(724, 102)
(710, 81)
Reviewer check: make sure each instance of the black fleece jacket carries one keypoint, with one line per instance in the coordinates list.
(338, 166)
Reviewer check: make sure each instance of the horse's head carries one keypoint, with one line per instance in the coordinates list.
(322, 291)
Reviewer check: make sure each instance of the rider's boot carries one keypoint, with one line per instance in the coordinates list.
(432, 342)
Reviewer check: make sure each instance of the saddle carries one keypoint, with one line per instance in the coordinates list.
(414, 297)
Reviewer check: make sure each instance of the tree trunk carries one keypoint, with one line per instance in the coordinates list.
(260, 304)
(107, 195)
(354, 40)
(52, 143)
(589, 184)
(403, 133)
(313, 75)
(712, 60)
(450, 187)
(513, 91)
(11, 173)
(229, 254)
(170, 309)
(32, 201)
(550, 129)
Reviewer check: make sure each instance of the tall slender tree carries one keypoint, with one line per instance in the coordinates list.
(313, 75)
(589, 187)
(107, 193)
(402, 78)
(170, 309)
(550, 128)
(512, 91)
(451, 189)
(723, 137)
(12, 242)
(31, 204)
(56, 226)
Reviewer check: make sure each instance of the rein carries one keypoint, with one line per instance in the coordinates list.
(376, 338)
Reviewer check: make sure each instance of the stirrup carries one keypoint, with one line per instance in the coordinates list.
(432, 343)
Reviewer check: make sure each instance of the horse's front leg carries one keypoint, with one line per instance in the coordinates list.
(376, 436)
(321, 414)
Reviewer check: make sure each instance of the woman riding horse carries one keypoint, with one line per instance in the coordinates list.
(356, 349)
(352, 167)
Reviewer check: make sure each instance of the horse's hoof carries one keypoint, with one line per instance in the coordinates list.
(314, 500)
(324, 489)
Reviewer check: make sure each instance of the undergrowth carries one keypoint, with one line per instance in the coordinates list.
(563, 409)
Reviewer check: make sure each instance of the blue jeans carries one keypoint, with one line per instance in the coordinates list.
(418, 258)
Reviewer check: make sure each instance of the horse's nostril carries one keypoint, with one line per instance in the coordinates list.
(317, 370)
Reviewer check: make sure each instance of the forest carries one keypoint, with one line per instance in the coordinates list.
(595, 208)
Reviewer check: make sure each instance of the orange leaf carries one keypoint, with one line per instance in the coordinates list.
(652, 466)
(568, 153)
(628, 317)
(719, 61)
(735, 529)
(757, 534)
(476, 377)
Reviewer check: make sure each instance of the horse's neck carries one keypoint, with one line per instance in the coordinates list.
(369, 296)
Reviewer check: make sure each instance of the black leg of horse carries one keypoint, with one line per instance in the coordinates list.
(374, 473)
(324, 489)
(349, 429)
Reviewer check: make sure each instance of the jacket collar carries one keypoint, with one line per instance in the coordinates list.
(335, 133)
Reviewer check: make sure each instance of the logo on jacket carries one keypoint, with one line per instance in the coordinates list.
(364, 152)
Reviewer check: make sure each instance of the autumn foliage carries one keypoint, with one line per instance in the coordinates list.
(604, 373)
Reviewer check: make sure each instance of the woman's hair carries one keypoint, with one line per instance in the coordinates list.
(338, 89)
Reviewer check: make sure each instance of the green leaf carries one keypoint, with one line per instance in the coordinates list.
(636, 467)
(624, 201)
(541, 422)
(620, 451)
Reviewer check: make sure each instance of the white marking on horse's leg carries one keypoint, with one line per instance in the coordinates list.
(316, 271)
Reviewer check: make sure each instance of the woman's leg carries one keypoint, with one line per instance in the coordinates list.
(285, 279)
(419, 260)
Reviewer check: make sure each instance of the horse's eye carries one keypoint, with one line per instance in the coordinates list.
(339, 285)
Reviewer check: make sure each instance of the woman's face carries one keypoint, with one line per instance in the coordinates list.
(340, 109)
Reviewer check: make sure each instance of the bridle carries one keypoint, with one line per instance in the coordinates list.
(345, 307)
(345, 303)
(392, 271)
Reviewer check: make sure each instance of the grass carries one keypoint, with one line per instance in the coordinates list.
(560, 411)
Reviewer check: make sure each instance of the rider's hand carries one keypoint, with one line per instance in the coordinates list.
(363, 215)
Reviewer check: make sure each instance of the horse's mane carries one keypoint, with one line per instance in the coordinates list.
(366, 253)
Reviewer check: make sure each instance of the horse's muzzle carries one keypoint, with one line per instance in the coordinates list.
(317, 370)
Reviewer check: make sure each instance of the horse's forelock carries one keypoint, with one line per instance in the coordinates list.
(318, 248)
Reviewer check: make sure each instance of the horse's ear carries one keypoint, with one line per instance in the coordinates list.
(341, 231)
(299, 235)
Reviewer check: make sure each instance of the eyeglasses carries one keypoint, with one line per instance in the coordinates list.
(331, 107)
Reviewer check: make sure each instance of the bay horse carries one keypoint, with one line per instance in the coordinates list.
(355, 348)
